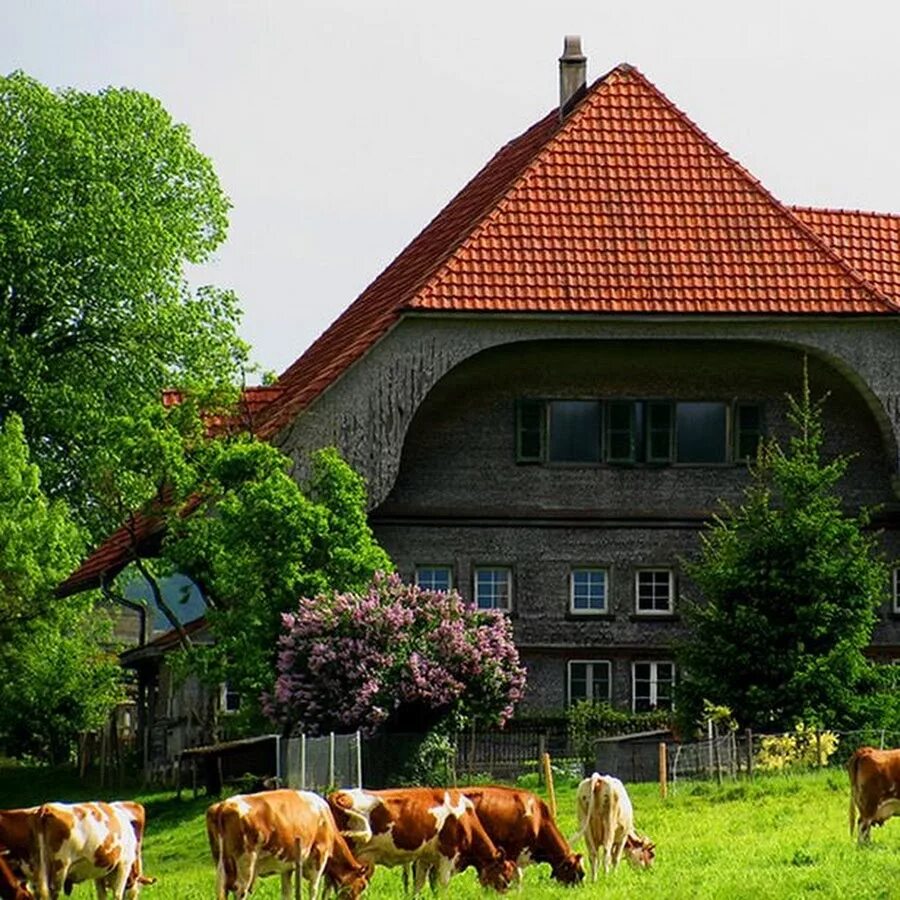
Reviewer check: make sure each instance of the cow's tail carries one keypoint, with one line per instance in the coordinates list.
(221, 874)
(852, 766)
(586, 820)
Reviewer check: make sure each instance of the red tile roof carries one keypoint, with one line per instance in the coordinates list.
(252, 401)
(625, 207)
(869, 242)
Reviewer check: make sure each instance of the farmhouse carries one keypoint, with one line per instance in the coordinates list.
(552, 386)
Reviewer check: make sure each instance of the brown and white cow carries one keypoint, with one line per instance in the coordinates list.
(11, 887)
(75, 842)
(256, 835)
(874, 789)
(606, 819)
(434, 830)
(519, 823)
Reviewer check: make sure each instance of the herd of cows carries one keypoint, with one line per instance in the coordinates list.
(335, 843)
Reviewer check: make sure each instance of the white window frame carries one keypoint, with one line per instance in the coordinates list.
(449, 570)
(654, 680)
(895, 590)
(637, 591)
(224, 691)
(576, 611)
(508, 571)
(589, 679)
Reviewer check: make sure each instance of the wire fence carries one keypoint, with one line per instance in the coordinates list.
(322, 763)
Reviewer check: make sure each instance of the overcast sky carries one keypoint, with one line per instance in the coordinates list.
(339, 128)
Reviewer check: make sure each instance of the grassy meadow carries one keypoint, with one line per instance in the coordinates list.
(778, 836)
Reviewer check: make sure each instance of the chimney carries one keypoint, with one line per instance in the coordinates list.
(572, 74)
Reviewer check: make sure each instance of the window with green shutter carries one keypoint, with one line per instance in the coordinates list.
(530, 417)
(620, 431)
(748, 430)
(659, 431)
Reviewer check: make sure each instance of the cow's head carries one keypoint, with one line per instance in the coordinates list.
(641, 851)
(569, 870)
(499, 873)
(354, 882)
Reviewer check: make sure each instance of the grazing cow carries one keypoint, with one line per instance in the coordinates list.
(99, 842)
(11, 887)
(433, 829)
(255, 835)
(519, 823)
(606, 819)
(874, 788)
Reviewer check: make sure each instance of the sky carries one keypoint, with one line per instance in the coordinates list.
(339, 128)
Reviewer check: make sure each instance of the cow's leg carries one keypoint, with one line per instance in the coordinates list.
(618, 849)
(286, 880)
(865, 831)
(607, 854)
(100, 884)
(246, 875)
(316, 875)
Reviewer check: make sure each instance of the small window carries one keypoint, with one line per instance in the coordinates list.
(895, 584)
(493, 588)
(590, 680)
(748, 430)
(434, 578)
(620, 431)
(654, 591)
(659, 431)
(701, 432)
(229, 699)
(587, 591)
(653, 685)
(575, 429)
(530, 430)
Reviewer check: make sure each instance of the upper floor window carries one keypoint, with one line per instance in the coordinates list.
(229, 699)
(434, 578)
(493, 587)
(628, 432)
(590, 679)
(895, 585)
(654, 591)
(653, 685)
(587, 590)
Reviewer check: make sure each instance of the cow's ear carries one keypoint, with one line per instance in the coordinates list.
(339, 798)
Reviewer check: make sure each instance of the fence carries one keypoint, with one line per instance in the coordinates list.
(322, 763)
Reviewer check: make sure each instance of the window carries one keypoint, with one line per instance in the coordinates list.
(653, 684)
(654, 591)
(659, 431)
(434, 578)
(530, 431)
(621, 426)
(587, 591)
(895, 584)
(493, 588)
(748, 429)
(575, 430)
(701, 432)
(229, 699)
(590, 680)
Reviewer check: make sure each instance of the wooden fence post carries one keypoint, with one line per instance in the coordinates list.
(718, 758)
(749, 734)
(663, 770)
(548, 777)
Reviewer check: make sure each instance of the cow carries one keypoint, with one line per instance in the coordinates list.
(874, 789)
(256, 835)
(11, 887)
(75, 842)
(15, 841)
(519, 823)
(606, 819)
(435, 830)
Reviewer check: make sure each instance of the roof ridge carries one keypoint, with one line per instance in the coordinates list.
(770, 197)
(835, 210)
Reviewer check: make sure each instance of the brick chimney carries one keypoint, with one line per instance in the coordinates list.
(572, 74)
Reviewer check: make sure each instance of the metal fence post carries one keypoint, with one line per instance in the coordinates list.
(303, 761)
(749, 733)
(359, 778)
(331, 783)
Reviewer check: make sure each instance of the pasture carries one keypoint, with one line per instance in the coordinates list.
(779, 837)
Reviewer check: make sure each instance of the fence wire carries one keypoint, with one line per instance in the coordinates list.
(322, 763)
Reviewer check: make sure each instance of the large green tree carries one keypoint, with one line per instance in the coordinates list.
(103, 201)
(58, 675)
(790, 586)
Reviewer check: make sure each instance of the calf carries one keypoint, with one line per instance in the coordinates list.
(606, 819)
(519, 823)
(433, 829)
(874, 789)
(256, 835)
(99, 842)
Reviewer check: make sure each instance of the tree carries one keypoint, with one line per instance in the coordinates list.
(790, 586)
(258, 542)
(58, 675)
(394, 657)
(103, 200)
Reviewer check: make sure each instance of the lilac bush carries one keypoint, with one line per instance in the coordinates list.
(396, 657)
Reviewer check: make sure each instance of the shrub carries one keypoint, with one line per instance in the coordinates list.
(799, 748)
(588, 721)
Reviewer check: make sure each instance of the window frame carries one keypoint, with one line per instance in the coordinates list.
(589, 612)
(641, 570)
(606, 454)
(509, 586)
(653, 699)
(649, 458)
(433, 566)
(589, 680)
(224, 692)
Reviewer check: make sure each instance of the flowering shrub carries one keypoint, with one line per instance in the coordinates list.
(797, 748)
(397, 657)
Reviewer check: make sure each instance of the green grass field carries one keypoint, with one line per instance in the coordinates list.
(778, 837)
